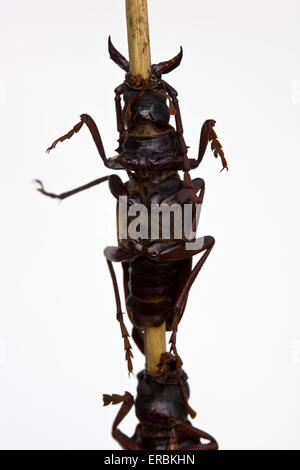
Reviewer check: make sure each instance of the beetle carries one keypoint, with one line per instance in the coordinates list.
(161, 407)
(158, 273)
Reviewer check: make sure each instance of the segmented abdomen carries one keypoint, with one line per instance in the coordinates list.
(150, 291)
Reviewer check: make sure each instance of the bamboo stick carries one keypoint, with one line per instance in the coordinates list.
(138, 38)
(140, 65)
(155, 345)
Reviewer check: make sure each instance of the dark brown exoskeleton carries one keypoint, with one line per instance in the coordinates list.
(161, 407)
(158, 272)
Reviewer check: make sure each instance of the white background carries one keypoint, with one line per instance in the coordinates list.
(60, 345)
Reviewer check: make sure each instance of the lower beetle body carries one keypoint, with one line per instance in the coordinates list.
(161, 408)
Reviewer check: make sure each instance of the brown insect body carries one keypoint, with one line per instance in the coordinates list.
(161, 408)
(150, 291)
(151, 288)
(158, 272)
(152, 152)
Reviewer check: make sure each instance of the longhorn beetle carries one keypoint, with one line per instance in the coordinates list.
(158, 273)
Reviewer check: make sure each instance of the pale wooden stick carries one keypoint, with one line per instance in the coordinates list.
(140, 65)
(155, 345)
(138, 38)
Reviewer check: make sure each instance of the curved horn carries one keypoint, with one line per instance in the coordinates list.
(169, 65)
(117, 57)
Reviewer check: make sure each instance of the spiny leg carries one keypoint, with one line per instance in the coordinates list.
(84, 119)
(125, 334)
(72, 191)
(127, 401)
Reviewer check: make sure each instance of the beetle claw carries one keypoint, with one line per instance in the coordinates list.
(42, 190)
(40, 183)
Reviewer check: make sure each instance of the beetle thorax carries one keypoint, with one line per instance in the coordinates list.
(146, 105)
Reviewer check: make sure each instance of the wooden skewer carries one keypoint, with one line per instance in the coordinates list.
(155, 345)
(140, 65)
(138, 38)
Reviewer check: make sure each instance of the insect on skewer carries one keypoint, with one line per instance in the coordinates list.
(140, 68)
(158, 273)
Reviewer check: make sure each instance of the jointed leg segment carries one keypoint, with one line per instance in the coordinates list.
(127, 401)
(179, 252)
(125, 334)
(119, 115)
(72, 191)
(84, 119)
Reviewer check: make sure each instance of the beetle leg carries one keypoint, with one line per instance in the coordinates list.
(84, 119)
(182, 196)
(186, 164)
(204, 138)
(117, 188)
(118, 254)
(190, 430)
(173, 338)
(119, 115)
(207, 244)
(124, 332)
(179, 127)
(128, 402)
(179, 252)
(208, 135)
(217, 148)
(68, 135)
(72, 191)
(184, 250)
